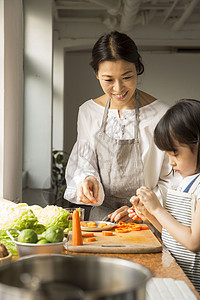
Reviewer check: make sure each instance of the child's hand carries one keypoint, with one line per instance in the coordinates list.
(133, 215)
(148, 198)
(137, 211)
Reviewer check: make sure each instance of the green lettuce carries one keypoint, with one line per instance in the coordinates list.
(21, 216)
(9, 244)
(53, 215)
(27, 219)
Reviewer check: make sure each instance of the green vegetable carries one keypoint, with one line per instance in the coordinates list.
(39, 228)
(68, 229)
(10, 245)
(21, 216)
(53, 215)
(54, 234)
(43, 241)
(28, 236)
(23, 220)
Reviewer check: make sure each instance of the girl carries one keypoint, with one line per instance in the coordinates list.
(178, 133)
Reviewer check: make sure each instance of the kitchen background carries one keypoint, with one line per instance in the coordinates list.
(45, 74)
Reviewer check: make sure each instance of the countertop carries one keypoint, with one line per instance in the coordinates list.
(162, 265)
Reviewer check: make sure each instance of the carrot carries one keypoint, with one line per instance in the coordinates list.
(76, 229)
(122, 230)
(102, 225)
(88, 240)
(143, 227)
(90, 224)
(83, 224)
(88, 234)
(107, 233)
(122, 227)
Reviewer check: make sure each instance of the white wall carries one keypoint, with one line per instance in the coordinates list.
(38, 51)
(11, 99)
(171, 76)
(80, 84)
(168, 77)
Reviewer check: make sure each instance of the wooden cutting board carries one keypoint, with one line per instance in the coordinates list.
(143, 241)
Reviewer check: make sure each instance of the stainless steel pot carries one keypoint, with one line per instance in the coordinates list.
(61, 277)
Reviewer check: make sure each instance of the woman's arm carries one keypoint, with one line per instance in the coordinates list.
(82, 177)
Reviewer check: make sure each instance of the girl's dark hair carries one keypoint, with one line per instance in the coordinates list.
(114, 46)
(181, 123)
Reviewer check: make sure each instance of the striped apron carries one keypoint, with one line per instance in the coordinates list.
(181, 205)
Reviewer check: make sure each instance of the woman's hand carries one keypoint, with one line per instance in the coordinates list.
(148, 199)
(87, 190)
(121, 214)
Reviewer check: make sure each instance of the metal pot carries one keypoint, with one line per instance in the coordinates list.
(64, 277)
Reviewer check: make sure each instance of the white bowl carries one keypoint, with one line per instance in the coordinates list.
(24, 249)
(7, 258)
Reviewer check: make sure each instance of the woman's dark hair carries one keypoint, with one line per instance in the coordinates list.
(114, 46)
(181, 123)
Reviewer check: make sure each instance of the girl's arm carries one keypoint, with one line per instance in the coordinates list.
(189, 237)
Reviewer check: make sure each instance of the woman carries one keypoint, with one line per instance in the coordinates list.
(115, 153)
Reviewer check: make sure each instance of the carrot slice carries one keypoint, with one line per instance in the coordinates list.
(144, 227)
(122, 230)
(91, 224)
(122, 227)
(107, 233)
(76, 229)
(88, 240)
(88, 234)
(102, 225)
(135, 229)
(83, 224)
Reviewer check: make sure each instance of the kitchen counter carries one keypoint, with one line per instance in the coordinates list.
(162, 265)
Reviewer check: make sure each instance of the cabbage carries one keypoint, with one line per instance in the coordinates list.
(13, 217)
(22, 216)
(52, 215)
(9, 244)
(20, 220)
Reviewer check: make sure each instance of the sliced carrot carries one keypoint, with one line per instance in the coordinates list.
(143, 227)
(83, 224)
(88, 234)
(76, 229)
(122, 230)
(121, 224)
(122, 227)
(135, 229)
(91, 224)
(102, 225)
(107, 233)
(88, 240)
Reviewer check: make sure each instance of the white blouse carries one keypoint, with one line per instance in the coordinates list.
(82, 161)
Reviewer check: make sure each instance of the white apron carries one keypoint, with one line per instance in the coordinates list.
(181, 205)
(120, 167)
